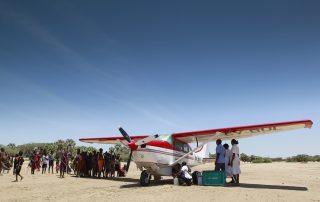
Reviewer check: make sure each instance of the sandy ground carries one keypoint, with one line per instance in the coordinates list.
(259, 182)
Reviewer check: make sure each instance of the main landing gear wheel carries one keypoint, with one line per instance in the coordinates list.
(145, 178)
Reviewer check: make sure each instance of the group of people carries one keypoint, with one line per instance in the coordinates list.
(84, 164)
(42, 160)
(98, 164)
(6, 163)
(228, 160)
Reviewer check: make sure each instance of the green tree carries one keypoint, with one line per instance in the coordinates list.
(244, 157)
(59, 144)
(11, 145)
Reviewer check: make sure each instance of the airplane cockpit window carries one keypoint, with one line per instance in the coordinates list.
(178, 146)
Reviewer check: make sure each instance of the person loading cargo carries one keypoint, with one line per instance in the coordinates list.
(185, 175)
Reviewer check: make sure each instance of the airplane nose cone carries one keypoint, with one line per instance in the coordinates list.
(132, 145)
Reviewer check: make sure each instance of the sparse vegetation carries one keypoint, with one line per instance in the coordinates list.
(258, 159)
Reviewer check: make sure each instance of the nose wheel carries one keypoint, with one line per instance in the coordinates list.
(145, 178)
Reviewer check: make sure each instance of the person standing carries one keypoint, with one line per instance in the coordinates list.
(107, 163)
(235, 161)
(117, 165)
(100, 160)
(51, 162)
(77, 163)
(63, 162)
(34, 159)
(227, 160)
(45, 162)
(2, 159)
(94, 164)
(220, 156)
(38, 160)
(18, 165)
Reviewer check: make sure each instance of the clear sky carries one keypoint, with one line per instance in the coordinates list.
(74, 69)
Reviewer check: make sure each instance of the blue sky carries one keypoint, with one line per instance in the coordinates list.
(73, 69)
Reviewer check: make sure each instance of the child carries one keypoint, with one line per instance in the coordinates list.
(18, 164)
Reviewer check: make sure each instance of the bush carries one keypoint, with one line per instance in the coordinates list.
(245, 158)
(259, 159)
(277, 159)
(267, 160)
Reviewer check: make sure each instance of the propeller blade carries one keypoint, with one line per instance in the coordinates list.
(125, 134)
(129, 160)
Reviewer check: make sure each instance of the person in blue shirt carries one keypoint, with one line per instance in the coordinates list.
(220, 156)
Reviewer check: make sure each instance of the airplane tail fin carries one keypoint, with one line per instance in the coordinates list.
(203, 151)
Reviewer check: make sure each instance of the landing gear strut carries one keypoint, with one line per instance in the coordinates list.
(145, 178)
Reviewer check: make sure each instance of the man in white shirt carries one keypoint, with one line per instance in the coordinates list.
(185, 175)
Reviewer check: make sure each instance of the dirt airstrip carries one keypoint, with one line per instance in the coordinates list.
(259, 182)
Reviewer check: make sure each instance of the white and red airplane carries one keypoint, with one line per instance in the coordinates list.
(157, 154)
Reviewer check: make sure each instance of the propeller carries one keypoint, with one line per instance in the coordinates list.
(134, 145)
(129, 160)
(126, 137)
(125, 134)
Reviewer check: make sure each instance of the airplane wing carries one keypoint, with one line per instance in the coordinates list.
(240, 132)
(111, 140)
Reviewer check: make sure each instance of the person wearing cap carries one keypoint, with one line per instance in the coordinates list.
(235, 161)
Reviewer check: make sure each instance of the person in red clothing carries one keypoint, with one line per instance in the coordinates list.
(63, 163)
(100, 159)
(34, 160)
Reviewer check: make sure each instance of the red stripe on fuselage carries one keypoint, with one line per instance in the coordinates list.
(164, 152)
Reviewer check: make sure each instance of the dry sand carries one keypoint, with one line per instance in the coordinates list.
(259, 182)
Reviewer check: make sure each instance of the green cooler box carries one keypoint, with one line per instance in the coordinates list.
(213, 178)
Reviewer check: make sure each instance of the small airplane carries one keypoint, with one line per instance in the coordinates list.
(156, 155)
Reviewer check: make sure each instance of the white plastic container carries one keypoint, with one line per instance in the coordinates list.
(175, 181)
(199, 176)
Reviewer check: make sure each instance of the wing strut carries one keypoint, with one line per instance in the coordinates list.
(179, 159)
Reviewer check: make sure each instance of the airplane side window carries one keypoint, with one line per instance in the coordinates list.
(185, 148)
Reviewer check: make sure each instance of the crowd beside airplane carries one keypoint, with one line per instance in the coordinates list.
(108, 164)
(83, 164)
